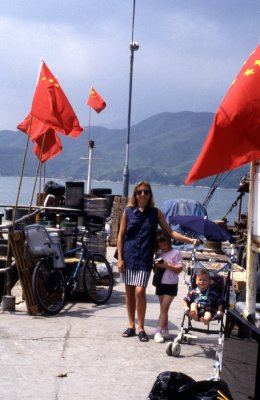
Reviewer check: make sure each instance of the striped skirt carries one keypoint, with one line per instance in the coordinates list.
(136, 277)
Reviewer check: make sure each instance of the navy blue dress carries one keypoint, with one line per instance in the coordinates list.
(138, 249)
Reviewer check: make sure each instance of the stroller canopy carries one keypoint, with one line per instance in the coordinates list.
(203, 226)
(176, 207)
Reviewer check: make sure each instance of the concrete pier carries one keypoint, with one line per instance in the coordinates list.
(79, 354)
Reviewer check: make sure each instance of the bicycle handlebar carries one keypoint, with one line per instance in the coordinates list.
(84, 236)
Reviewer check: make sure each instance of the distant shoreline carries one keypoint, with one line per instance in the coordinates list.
(70, 179)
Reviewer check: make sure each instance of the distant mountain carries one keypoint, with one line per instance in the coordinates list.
(162, 149)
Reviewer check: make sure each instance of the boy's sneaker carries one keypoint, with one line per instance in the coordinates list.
(158, 337)
(165, 334)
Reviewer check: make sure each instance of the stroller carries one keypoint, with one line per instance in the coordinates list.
(221, 280)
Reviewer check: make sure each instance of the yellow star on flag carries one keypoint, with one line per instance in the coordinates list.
(249, 72)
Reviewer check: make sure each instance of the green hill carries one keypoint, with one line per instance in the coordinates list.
(162, 149)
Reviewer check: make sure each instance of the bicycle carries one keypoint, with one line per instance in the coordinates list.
(53, 280)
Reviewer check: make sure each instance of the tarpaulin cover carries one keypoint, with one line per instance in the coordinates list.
(174, 207)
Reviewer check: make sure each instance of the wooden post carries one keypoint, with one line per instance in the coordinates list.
(8, 303)
(253, 227)
(24, 266)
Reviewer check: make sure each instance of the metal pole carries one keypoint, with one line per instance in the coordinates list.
(250, 284)
(90, 150)
(133, 47)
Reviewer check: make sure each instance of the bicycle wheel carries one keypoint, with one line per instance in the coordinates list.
(98, 278)
(49, 288)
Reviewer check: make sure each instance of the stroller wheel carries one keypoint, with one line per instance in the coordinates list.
(169, 348)
(179, 338)
(176, 350)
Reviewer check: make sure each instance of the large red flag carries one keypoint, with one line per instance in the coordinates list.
(234, 137)
(95, 101)
(51, 108)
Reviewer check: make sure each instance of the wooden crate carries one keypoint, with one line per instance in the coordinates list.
(239, 280)
(25, 267)
(119, 205)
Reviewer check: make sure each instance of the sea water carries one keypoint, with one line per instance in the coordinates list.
(219, 205)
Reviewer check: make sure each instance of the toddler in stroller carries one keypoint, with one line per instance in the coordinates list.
(215, 299)
(204, 301)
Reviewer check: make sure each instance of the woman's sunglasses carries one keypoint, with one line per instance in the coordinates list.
(145, 191)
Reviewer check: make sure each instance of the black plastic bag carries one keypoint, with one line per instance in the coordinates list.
(177, 386)
(204, 390)
(54, 188)
(167, 384)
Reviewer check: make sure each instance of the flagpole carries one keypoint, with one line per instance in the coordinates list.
(39, 167)
(134, 46)
(91, 144)
(22, 170)
(90, 151)
(253, 238)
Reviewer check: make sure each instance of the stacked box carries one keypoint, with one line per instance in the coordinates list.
(119, 205)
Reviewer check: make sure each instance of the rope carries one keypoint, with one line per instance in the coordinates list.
(233, 205)
(9, 252)
(212, 189)
(22, 172)
(219, 178)
(40, 180)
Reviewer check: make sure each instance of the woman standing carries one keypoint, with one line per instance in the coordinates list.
(135, 245)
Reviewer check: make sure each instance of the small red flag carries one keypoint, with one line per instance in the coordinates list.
(47, 146)
(234, 137)
(95, 101)
(51, 143)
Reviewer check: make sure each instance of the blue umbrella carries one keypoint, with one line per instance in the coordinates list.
(202, 226)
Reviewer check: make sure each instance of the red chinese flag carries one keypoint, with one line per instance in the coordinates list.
(42, 135)
(95, 101)
(47, 146)
(234, 137)
(51, 108)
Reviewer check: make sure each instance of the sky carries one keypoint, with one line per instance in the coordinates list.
(189, 53)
